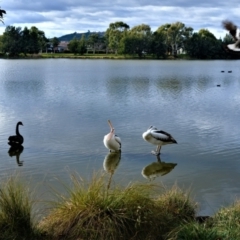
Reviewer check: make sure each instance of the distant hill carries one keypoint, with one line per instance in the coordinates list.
(69, 37)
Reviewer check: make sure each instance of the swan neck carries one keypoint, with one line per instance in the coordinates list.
(17, 131)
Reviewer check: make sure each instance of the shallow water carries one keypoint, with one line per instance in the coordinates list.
(65, 104)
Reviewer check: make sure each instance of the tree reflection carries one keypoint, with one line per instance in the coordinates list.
(157, 169)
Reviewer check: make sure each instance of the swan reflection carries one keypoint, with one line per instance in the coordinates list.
(157, 169)
(16, 151)
(110, 164)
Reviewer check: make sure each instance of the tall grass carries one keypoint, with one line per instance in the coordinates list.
(92, 211)
(15, 211)
(227, 221)
(225, 224)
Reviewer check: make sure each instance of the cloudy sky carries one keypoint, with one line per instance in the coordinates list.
(60, 17)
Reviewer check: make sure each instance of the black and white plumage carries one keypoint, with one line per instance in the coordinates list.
(17, 139)
(158, 137)
(235, 33)
(112, 141)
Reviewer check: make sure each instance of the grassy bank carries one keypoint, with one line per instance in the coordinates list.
(88, 56)
(91, 210)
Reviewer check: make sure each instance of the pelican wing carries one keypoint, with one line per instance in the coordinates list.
(118, 139)
(160, 135)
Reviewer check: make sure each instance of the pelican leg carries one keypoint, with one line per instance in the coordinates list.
(157, 152)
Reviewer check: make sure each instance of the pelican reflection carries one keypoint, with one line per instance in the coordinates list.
(16, 151)
(157, 169)
(110, 164)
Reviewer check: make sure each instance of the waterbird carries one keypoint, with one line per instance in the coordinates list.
(234, 32)
(158, 137)
(111, 140)
(17, 139)
(156, 169)
(16, 151)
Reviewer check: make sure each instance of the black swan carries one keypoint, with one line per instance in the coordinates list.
(16, 150)
(17, 139)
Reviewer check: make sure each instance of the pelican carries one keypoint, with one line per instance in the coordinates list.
(158, 137)
(112, 141)
(234, 32)
(157, 169)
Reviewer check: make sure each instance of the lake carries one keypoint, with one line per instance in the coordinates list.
(64, 105)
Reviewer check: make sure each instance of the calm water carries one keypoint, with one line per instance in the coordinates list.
(65, 104)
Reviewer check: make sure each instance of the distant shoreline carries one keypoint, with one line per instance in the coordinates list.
(107, 56)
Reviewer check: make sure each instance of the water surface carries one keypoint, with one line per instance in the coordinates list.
(65, 104)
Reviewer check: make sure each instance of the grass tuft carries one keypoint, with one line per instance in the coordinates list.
(15, 211)
(92, 211)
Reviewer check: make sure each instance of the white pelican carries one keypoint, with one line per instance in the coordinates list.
(234, 32)
(158, 137)
(112, 141)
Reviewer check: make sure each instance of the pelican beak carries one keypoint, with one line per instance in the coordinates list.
(110, 124)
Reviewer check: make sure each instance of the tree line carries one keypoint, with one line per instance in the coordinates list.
(119, 38)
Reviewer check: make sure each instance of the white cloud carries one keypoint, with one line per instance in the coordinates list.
(60, 17)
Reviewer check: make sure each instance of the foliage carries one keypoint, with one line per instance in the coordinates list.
(176, 35)
(114, 34)
(194, 231)
(96, 42)
(82, 48)
(92, 211)
(158, 45)
(15, 211)
(12, 41)
(55, 42)
(227, 222)
(78, 46)
(204, 45)
(137, 40)
(16, 41)
(119, 38)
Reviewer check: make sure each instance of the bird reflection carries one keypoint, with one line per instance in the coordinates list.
(16, 151)
(110, 164)
(157, 169)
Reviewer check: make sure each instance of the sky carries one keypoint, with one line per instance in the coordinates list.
(60, 17)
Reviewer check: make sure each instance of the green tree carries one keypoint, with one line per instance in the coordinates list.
(1, 43)
(73, 46)
(12, 41)
(176, 35)
(25, 41)
(137, 40)
(93, 41)
(82, 47)
(55, 42)
(114, 34)
(159, 45)
(204, 45)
